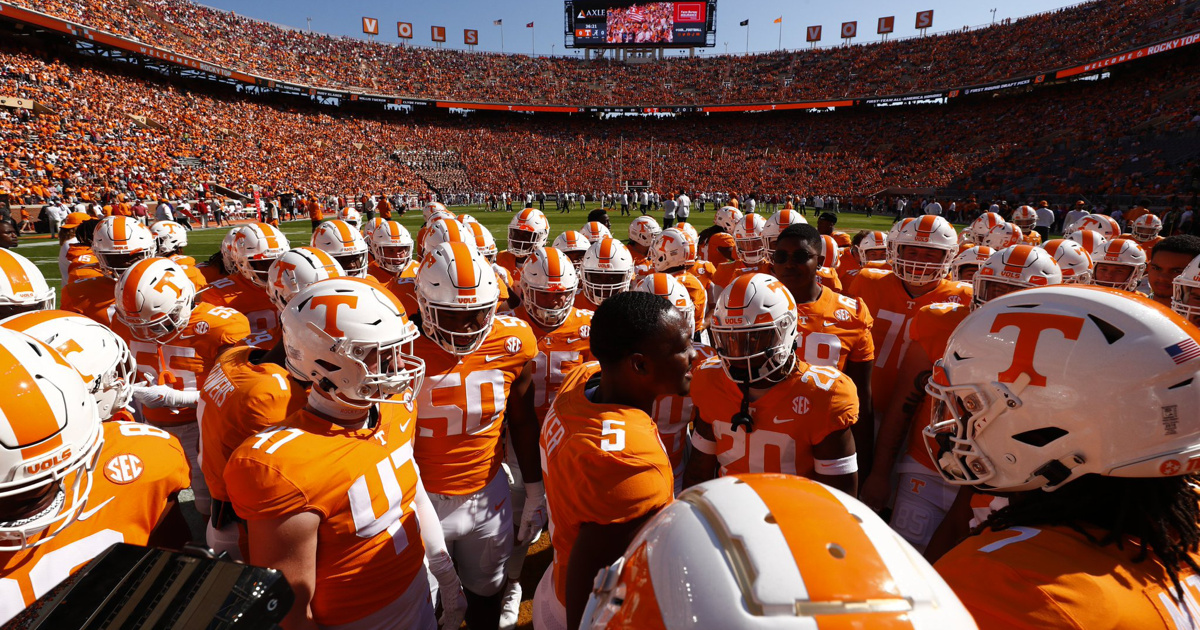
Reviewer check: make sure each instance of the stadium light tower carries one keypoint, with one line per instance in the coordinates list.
(309, 24)
(993, 17)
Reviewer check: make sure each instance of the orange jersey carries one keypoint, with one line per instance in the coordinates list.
(829, 278)
(185, 360)
(189, 267)
(673, 414)
(460, 408)
(1031, 238)
(699, 296)
(727, 272)
(715, 243)
(793, 416)
(405, 290)
(139, 471)
(360, 482)
(893, 309)
(931, 329)
(558, 352)
(601, 464)
(584, 304)
(511, 264)
(93, 297)
(834, 329)
(704, 272)
(1149, 246)
(240, 398)
(379, 273)
(1054, 577)
(246, 298)
(847, 262)
(642, 266)
(82, 268)
(211, 272)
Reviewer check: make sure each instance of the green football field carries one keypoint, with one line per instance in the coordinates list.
(202, 243)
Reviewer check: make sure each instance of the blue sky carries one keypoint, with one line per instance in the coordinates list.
(344, 18)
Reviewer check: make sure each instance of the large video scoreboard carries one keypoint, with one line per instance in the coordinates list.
(622, 24)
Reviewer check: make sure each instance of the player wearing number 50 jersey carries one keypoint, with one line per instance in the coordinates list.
(479, 373)
(605, 468)
(332, 496)
(72, 486)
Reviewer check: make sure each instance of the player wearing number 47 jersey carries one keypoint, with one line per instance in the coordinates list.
(92, 484)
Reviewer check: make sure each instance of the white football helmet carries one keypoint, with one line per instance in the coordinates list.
(1012, 269)
(457, 292)
(228, 256)
(1002, 236)
(1037, 389)
(484, 242)
(1146, 227)
(874, 240)
(356, 355)
(295, 270)
(1109, 268)
(344, 243)
(368, 231)
(754, 329)
(548, 285)
(777, 224)
(594, 231)
(727, 217)
(51, 440)
(155, 300)
(966, 264)
(607, 270)
(892, 235)
(169, 237)
(671, 250)
(351, 216)
(770, 551)
(23, 288)
(748, 236)
(574, 245)
(937, 238)
(1025, 218)
(391, 246)
(1073, 260)
(257, 246)
(527, 231)
(643, 230)
(1185, 298)
(99, 355)
(446, 231)
(1100, 223)
(984, 224)
(466, 219)
(830, 252)
(666, 286)
(119, 243)
(1092, 242)
(431, 207)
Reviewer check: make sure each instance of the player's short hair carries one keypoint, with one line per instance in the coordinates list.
(828, 216)
(597, 215)
(1178, 244)
(626, 323)
(805, 233)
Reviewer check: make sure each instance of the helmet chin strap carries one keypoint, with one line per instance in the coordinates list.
(742, 418)
(341, 410)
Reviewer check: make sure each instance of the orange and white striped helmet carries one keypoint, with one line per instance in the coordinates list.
(1001, 236)
(594, 231)
(1074, 261)
(643, 230)
(154, 299)
(770, 551)
(368, 230)
(50, 438)
(727, 217)
(428, 209)
(574, 245)
(689, 230)
(1185, 292)
(967, 262)
(1121, 265)
(892, 234)
(929, 232)
(1012, 269)
(466, 219)
(295, 270)
(1025, 218)
(255, 247)
(527, 231)
(351, 216)
(607, 269)
(353, 341)
(984, 224)
(99, 355)
(748, 236)
(344, 243)
(169, 237)
(548, 285)
(777, 224)
(457, 292)
(484, 241)
(1092, 241)
(1146, 227)
(228, 257)
(1102, 223)
(22, 286)
(391, 246)
(666, 286)
(670, 250)
(830, 252)
(119, 243)
(754, 329)
(873, 241)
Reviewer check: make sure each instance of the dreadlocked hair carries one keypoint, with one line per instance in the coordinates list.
(1161, 515)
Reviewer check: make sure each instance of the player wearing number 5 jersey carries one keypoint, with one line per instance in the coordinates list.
(760, 408)
(332, 496)
(72, 485)
(255, 248)
(605, 468)
(479, 373)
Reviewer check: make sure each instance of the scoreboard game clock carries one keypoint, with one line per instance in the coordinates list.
(640, 24)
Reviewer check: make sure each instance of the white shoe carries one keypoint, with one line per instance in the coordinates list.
(511, 608)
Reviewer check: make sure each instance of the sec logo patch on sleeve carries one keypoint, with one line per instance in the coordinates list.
(124, 468)
(512, 345)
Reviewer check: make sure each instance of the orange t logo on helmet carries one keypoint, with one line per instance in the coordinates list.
(331, 304)
(1031, 326)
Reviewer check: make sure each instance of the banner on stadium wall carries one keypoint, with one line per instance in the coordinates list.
(925, 19)
(370, 26)
(849, 30)
(470, 37)
(404, 30)
(437, 33)
(814, 33)
(1145, 51)
(887, 25)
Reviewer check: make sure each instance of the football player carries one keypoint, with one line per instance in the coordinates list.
(1169, 259)
(750, 254)
(118, 244)
(221, 263)
(968, 261)
(810, 551)
(486, 244)
(672, 254)
(255, 247)
(832, 330)
(1025, 218)
(344, 243)
(170, 239)
(74, 486)
(479, 371)
(175, 343)
(574, 245)
(391, 249)
(721, 246)
(23, 288)
(642, 233)
(606, 472)
(827, 263)
(1145, 230)
(79, 260)
(527, 232)
(332, 497)
(1121, 265)
(1101, 527)
(439, 230)
(1073, 261)
(607, 269)
(923, 498)
(1092, 241)
(593, 231)
(794, 418)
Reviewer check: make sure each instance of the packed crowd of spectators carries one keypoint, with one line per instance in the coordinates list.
(1040, 42)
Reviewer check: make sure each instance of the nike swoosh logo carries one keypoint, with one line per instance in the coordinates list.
(404, 427)
(83, 516)
(572, 340)
(779, 420)
(830, 323)
(490, 358)
(499, 505)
